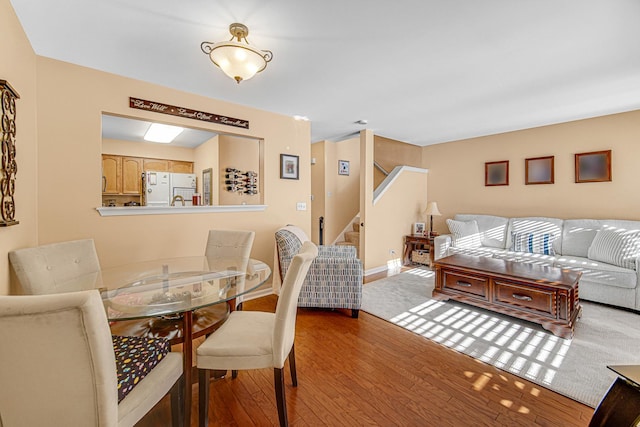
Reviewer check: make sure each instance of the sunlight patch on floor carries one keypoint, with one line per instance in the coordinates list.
(508, 345)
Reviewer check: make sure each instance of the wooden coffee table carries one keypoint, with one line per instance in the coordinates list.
(544, 295)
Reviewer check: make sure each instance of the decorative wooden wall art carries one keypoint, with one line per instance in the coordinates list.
(9, 166)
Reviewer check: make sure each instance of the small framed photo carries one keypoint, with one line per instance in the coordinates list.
(594, 166)
(496, 173)
(539, 170)
(343, 167)
(418, 228)
(289, 166)
(207, 179)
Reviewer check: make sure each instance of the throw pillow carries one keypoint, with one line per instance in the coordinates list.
(465, 234)
(533, 243)
(616, 246)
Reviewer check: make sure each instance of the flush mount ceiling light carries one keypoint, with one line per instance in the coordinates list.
(162, 133)
(238, 60)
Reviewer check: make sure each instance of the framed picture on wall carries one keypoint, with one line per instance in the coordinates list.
(496, 173)
(343, 167)
(207, 179)
(594, 166)
(539, 170)
(289, 166)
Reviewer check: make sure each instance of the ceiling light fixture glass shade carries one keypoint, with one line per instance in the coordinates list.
(236, 59)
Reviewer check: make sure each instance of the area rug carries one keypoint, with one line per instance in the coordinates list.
(576, 368)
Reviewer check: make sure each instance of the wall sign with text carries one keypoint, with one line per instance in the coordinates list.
(172, 110)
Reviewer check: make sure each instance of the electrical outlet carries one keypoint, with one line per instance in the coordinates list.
(301, 206)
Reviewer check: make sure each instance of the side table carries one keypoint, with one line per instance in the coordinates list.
(621, 405)
(417, 242)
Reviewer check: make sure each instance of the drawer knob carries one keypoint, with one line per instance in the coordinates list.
(461, 283)
(522, 297)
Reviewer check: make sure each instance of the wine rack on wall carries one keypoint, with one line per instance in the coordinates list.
(241, 182)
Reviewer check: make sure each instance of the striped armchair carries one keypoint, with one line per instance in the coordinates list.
(335, 276)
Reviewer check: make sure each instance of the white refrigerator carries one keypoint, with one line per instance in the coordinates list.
(161, 187)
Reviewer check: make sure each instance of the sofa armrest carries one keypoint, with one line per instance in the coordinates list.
(441, 246)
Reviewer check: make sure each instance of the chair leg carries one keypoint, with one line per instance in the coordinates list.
(354, 313)
(203, 397)
(234, 374)
(177, 403)
(292, 366)
(278, 379)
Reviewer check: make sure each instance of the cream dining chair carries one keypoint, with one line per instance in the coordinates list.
(58, 367)
(257, 340)
(48, 269)
(230, 250)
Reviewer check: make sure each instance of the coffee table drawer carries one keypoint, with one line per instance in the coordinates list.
(459, 282)
(541, 301)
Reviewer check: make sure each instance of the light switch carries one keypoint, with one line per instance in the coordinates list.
(301, 206)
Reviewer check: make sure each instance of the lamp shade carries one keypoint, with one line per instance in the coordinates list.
(432, 209)
(238, 60)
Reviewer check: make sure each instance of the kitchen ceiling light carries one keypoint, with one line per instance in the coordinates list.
(162, 133)
(238, 60)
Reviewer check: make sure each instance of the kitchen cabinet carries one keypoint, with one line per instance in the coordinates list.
(131, 175)
(178, 166)
(111, 174)
(121, 175)
(164, 165)
(159, 165)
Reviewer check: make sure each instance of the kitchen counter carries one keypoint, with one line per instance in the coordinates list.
(169, 210)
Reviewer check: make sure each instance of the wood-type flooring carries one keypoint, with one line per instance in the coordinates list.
(366, 371)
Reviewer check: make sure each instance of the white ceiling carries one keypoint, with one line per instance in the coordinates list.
(420, 71)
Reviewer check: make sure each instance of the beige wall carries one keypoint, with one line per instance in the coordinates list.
(317, 189)
(242, 154)
(342, 202)
(336, 197)
(389, 153)
(147, 149)
(206, 157)
(18, 67)
(456, 172)
(71, 100)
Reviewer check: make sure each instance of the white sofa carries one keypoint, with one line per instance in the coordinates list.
(607, 252)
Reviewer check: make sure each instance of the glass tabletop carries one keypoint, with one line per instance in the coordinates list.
(172, 286)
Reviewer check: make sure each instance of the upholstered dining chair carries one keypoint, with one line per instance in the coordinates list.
(230, 250)
(58, 366)
(48, 269)
(256, 340)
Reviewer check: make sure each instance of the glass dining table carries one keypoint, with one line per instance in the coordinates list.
(179, 299)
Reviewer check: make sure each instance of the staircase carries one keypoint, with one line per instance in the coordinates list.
(352, 238)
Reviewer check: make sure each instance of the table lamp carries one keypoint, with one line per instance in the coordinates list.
(432, 209)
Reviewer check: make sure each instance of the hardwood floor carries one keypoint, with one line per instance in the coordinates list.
(366, 371)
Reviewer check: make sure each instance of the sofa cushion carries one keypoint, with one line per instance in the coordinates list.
(534, 243)
(616, 246)
(481, 251)
(529, 258)
(464, 234)
(599, 272)
(577, 235)
(493, 229)
(537, 225)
